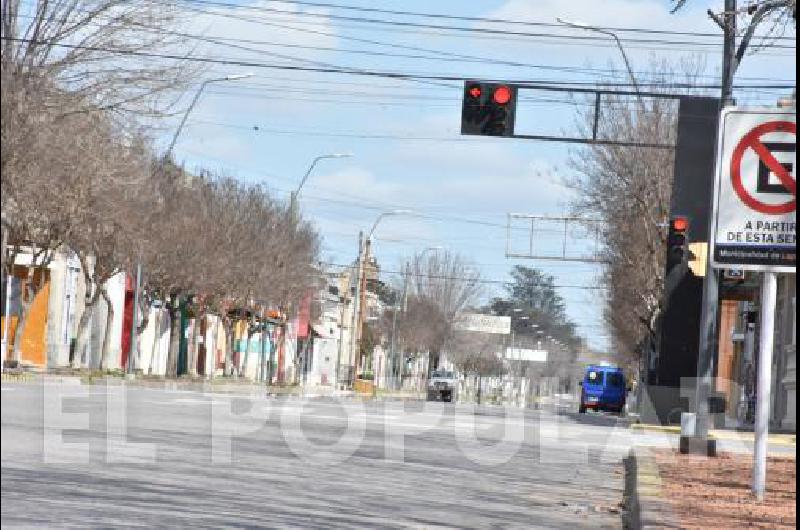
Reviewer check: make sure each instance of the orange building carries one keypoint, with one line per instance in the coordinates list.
(33, 342)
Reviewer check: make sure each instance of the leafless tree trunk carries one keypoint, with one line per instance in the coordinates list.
(228, 346)
(83, 332)
(107, 330)
(157, 332)
(193, 346)
(174, 310)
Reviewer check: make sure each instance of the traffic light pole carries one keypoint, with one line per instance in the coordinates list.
(709, 333)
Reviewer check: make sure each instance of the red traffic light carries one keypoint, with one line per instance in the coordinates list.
(502, 95)
(475, 92)
(680, 224)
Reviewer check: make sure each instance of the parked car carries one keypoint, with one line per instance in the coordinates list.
(603, 388)
(442, 385)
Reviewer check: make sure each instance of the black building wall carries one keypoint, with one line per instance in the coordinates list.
(695, 157)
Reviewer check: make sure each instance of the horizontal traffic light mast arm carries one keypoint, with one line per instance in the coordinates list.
(590, 141)
(512, 255)
(598, 91)
(489, 108)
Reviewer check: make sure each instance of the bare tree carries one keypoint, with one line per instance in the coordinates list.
(221, 244)
(114, 187)
(35, 221)
(629, 189)
(779, 15)
(447, 278)
(441, 286)
(59, 175)
(99, 50)
(475, 355)
(58, 60)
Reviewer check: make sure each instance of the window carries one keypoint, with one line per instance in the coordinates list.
(616, 380)
(594, 377)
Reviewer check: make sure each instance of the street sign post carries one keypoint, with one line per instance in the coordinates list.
(755, 227)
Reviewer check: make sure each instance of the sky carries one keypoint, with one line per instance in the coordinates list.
(404, 135)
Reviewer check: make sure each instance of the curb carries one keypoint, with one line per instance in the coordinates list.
(645, 506)
(18, 377)
(720, 434)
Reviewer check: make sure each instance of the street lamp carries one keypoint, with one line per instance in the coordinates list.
(167, 154)
(314, 164)
(363, 253)
(383, 216)
(203, 85)
(296, 193)
(588, 27)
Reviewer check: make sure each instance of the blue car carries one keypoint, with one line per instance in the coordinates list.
(603, 388)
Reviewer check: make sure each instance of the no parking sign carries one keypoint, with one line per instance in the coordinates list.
(755, 193)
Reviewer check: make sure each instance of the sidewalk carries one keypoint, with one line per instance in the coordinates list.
(714, 493)
(218, 385)
(665, 489)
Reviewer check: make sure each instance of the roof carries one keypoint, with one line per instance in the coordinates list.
(604, 368)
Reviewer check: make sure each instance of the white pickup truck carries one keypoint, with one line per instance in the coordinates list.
(442, 385)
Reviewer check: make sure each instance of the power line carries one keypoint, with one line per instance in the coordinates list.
(490, 31)
(600, 43)
(495, 20)
(438, 55)
(416, 212)
(466, 279)
(562, 86)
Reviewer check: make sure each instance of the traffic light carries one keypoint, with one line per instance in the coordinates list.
(677, 242)
(488, 109)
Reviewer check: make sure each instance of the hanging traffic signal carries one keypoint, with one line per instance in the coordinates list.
(677, 242)
(488, 109)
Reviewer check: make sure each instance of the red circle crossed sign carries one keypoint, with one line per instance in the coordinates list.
(752, 140)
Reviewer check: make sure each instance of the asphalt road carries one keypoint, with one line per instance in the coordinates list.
(201, 460)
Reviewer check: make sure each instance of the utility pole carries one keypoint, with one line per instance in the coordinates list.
(362, 301)
(364, 246)
(401, 359)
(392, 353)
(356, 303)
(729, 62)
(709, 322)
(341, 342)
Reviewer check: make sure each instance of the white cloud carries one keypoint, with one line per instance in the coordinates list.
(652, 14)
(249, 24)
(252, 97)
